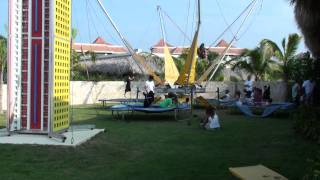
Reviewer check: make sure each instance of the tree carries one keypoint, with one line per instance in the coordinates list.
(257, 62)
(286, 55)
(301, 67)
(3, 59)
(76, 66)
(308, 19)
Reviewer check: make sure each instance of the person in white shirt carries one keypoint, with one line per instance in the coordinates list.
(149, 85)
(248, 87)
(149, 94)
(295, 92)
(308, 86)
(211, 121)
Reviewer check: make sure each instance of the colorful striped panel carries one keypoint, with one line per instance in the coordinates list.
(36, 84)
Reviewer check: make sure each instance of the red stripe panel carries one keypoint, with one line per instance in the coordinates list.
(36, 73)
(36, 18)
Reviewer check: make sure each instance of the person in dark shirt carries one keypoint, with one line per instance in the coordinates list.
(128, 83)
(266, 93)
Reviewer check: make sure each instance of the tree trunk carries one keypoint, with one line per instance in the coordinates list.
(286, 87)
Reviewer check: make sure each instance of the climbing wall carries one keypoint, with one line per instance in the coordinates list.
(39, 65)
(14, 61)
(62, 20)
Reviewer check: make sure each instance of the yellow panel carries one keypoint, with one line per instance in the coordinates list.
(61, 70)
(170, 69)
(190, 64)
(258, 172)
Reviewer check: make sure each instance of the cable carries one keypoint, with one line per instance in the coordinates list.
(187, 24)
(240, 15)
(224, 18)
(104, 25)
(176, 25)
(251, 23)
(88, 20)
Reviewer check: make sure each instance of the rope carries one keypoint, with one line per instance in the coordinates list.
(88, 20)
(251, 23)
(176, 25)
(187, 24)
(224, 18)
(240, 15)
(103, 25)
(233, 40)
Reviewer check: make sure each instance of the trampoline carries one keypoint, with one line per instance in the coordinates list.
(267, 110)
(119, 111)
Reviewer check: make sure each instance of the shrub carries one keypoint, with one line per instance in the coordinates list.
(307, 123)
(314, 170)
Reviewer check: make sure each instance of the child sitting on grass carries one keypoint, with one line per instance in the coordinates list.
(211, 121)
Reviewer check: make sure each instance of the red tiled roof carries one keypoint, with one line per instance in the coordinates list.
(220, 47)
(161, 43)
(99, 46)
(231, 52)
(219, 50)
(223, 43)
(100, 40)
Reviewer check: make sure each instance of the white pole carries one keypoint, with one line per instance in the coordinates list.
(131, 50)
(162, 24)
(232, 41)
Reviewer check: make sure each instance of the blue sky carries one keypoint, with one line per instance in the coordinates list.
(139, 22)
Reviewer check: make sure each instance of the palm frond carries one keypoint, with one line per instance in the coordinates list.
(292, 45)
(276, 50)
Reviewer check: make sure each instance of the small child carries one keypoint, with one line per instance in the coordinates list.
(169, 101)
(211, 121)
(186, 103)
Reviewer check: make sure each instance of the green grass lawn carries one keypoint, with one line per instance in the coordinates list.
(157, 147)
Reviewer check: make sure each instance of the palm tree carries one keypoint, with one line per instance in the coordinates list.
(3, 56)
(308, 19)
(257, 62)
(286, 55)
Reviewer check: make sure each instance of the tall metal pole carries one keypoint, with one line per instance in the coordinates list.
(197, 34)
(199, 14)
(131, 50)
(162, 24)
(232, 41)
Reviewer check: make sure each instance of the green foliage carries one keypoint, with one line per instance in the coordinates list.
(212, 56)
(3, 50)
(307, 123)
(201, 67)
(314, 170)
(152, 146)
(286, 55)
(301, 68)
(234, 79)
(219, 77)
(179, 63)
(257, 62)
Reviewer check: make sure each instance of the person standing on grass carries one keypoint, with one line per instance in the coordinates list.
(149, 92)
(308, 86)
(248, 87)
(295, 92)
(128, 83)
(266, 93)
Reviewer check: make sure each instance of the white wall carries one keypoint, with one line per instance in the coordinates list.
(90, 92)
